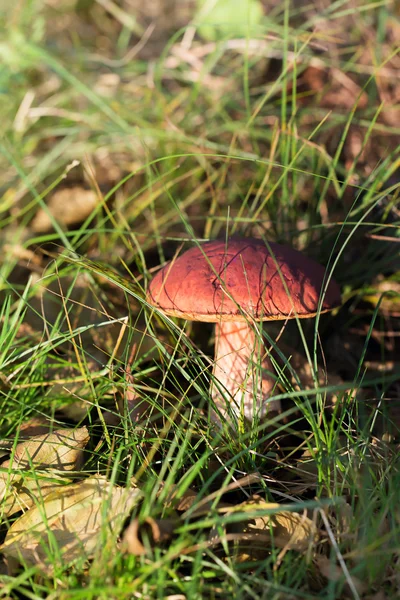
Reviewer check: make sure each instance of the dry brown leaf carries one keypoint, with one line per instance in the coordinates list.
(34, 426)
(254, 536)
(285, 529)
(28, 429)
(334, 87)
(23, 255)
(61, 450)
(55, 452)
(77, 517)
(21, 493)
(157, 531)
(333, 572)
(68, 206)
(180, 503)
(294, 531)
(342, 520)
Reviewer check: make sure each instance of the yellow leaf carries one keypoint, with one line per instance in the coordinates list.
(57, 452)
(61, 450)
(77, 517)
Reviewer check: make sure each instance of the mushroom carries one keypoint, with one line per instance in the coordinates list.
(236, 284)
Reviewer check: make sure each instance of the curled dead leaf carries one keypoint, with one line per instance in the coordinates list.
(157, 531)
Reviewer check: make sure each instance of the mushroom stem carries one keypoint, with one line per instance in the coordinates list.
(241, 369)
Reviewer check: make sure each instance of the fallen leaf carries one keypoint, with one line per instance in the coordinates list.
(78, 518)
(334, 572)
(158, 531)
(67, 206)
(34, 426)
(20, 493)
(51, 454)
(61, 450)
(284, 529)
(180, 502)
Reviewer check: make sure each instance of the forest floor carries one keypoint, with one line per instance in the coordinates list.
(131, 130)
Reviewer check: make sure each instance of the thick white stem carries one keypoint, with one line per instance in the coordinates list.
(241, 369)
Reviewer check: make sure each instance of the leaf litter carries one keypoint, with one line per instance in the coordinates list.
(36, 465)
(60, 450)
(77, 518)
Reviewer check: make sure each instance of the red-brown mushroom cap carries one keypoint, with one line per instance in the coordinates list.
(230, 280)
